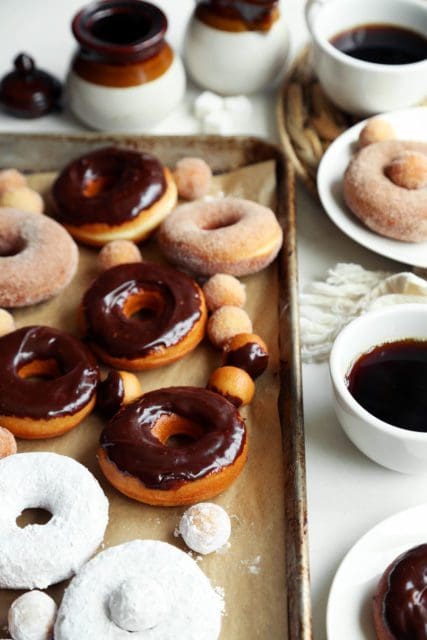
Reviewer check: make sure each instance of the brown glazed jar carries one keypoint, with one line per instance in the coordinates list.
(124, 76)
(236, 46)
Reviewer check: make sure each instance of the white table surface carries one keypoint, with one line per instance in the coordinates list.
(347, 493)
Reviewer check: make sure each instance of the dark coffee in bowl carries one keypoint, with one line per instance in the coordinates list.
(382, 43)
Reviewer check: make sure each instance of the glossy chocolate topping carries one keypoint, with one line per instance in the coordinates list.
(405, 605)
(130, 443)
(110, 394)
(170, 307)
(254, 14)
(38, 397)
(250, 357)
(109, 186)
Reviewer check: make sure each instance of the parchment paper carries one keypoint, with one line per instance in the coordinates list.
(251, 571)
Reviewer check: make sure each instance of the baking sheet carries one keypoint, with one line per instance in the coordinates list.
(253, 573)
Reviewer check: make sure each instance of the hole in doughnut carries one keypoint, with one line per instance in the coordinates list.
(175, 431)
(40, 369)
(33, 516)
(11, 247)
(96, 184)
(226, 221)
(145, 304)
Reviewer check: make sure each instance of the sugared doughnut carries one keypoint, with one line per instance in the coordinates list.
(118, 252)
(38, 556)
(113, 194)
(38, 258)
(11, 179)
(141, 316)
(382, 205)
(135, 457)
(183, 603)
(234, 384)
(223, 289)
(399, 604)
(22, 198)
(227, 235)
(7, 323)
(226, 322)
(7, 443)
(205, 527)
(375, 130)
(47, 384)
(118, 388)
(246, 351)
(32, 616)
(193, 178)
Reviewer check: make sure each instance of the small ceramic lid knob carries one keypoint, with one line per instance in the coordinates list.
(28, 92)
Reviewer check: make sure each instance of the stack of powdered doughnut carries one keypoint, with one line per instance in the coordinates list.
(134, 316)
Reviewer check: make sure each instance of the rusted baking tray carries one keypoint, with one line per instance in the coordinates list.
(264, 573)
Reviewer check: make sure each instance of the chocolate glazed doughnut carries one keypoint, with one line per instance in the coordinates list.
(113, 194)
(136, 459)
(170, 322)
(47, 383)
(400, 601)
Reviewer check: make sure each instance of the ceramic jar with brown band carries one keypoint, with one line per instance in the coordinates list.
(124, 76)
(236, 46)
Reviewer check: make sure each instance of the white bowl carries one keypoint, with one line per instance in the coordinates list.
(393, 447)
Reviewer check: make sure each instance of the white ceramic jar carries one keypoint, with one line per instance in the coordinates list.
(235, 47)
(124, 76)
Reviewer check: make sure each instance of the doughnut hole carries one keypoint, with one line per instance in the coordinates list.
(7, 323)
(205, 527)
(22, 198)
(409, 170)
(11, 179)
(234, 384)
(7, 443)
(226, 322)
(32, 616)
(246, 351)
(138, 604)
(193, 178)
(118, 388)
(375, 130)
(118, 252)
(223, 289)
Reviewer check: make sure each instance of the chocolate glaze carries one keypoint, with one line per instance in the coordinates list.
(251, 357)
(405, 604)
(130, 444)
(253, 13)
(40, 398)
(130, 181)
(110, 394)
(178, 309)
(233, 399)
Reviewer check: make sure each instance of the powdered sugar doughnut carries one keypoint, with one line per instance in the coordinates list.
(193, 178)
(32, 616)
(40, 555)
(7, 443)
(192, 608)
(385, 207)
(22, 198)
(205, 527)
(7, 323)
(222, 289)
(118, 252)
(226, 322)
(11, 179)
(226, 235)
(38, 258)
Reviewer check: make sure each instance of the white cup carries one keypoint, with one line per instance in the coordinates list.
(359, 87)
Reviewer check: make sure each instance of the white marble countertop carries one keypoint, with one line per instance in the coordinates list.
(347, 493)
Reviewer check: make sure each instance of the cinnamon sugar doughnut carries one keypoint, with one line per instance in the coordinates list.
(38, 258)
(227, 235)
(383, 206)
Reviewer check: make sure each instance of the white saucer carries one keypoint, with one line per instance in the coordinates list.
(410, 124)
(349, 611)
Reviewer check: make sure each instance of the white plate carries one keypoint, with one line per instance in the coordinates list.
(410, 124)
(349, 612)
